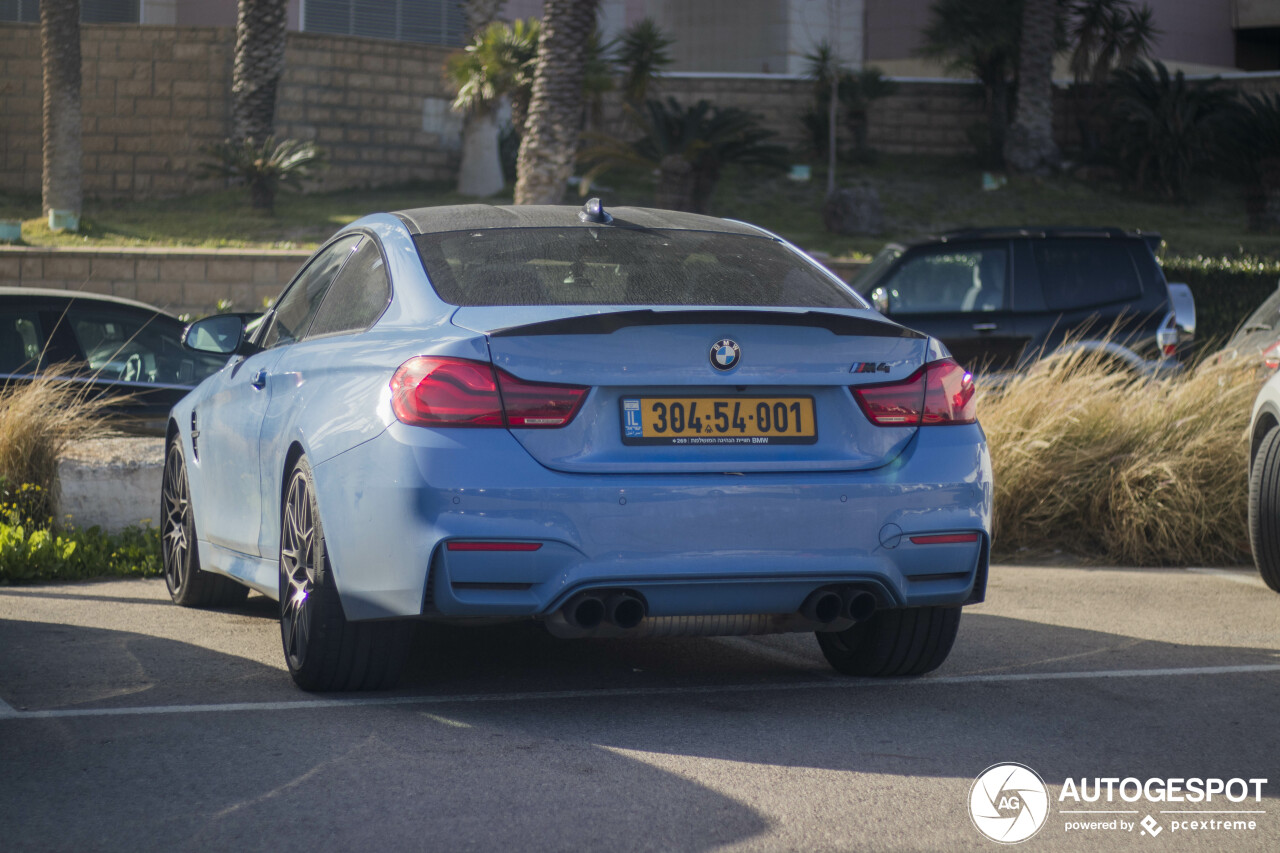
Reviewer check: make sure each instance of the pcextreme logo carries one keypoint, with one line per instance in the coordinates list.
(1009, 803)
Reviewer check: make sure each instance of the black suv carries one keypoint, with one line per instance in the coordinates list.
(998, 298)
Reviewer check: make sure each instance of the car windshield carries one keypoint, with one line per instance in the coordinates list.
(622, 266)
(1264, 319)
(871, 273)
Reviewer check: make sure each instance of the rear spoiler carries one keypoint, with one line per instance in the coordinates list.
(609, 322)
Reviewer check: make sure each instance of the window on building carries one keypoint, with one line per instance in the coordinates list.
(426, 21)
(91, 11)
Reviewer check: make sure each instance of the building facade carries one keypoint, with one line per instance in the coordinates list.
(1209, 36)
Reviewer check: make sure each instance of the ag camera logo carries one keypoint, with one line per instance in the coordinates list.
(1009, 803)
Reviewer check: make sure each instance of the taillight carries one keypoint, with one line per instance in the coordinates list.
(538, 404)
(457, 392)
(939, 393)
(1271, 356)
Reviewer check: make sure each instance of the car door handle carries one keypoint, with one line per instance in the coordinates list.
(985, 327)
(259, 380)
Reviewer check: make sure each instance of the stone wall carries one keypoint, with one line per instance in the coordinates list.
(926, 118)
(178, 280)
(151, 98)
(379, 108)
(154, 96)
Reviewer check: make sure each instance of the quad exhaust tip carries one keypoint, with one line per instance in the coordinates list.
(587, 611)
(833, 604)
(823, 606)
(624, 610)
(861, 606)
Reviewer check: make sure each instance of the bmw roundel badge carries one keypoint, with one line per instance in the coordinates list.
(725, 354)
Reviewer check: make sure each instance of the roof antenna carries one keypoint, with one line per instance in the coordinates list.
(593, 211)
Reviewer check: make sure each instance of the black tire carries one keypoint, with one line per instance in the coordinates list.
(910, 641)
(188, 585)
(1264, 509)
(322, 649)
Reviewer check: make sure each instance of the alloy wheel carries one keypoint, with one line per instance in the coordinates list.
(176, 527)
(298, 571)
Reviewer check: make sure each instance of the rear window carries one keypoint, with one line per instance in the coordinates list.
(622, 266)
(1084, 273)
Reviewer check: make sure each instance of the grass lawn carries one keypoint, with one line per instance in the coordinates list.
(920, 196)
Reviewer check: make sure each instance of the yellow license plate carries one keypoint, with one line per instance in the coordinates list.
(718, 420)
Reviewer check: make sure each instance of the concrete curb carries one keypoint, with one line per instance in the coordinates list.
(115, 490)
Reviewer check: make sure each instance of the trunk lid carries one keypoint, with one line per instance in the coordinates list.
(659, 404)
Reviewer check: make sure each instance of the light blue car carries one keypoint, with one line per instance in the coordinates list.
(618, 423)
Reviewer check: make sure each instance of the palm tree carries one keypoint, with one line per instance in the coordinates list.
(686, 148)
(1165, 127)
(1109, 34)
(642, 54)
(1029, 146)
(257, 68)
(980, 38)
(1250, 149)
(824, 68)
(1106, 34)
(550, 137)
(60, 181)
(497, 63)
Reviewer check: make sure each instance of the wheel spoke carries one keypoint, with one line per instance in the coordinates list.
(175, 504)
(297, 571)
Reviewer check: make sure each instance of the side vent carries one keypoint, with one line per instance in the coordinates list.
(195, 434)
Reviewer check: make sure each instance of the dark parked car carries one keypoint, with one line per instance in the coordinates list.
(118, 346)
(998, 298)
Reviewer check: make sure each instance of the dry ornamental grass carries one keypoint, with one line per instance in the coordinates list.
(1132, 470)
(38, 420)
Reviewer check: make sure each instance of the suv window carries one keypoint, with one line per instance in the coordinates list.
(358, 295)
(949, 280)
(301, 301)
(1079, 273)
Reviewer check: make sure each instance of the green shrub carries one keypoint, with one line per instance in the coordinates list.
(1164, 126)
(685, 148)
(31, 552)
(1227, 290)
(265, 167)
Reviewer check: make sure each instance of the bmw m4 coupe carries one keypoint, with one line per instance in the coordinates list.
(628, 423)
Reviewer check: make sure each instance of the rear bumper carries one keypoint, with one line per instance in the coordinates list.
(689, 544)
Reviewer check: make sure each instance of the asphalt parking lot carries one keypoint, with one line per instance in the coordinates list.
(127, 723)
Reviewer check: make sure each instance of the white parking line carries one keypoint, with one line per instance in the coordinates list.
(7, 710)
(551, 695)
